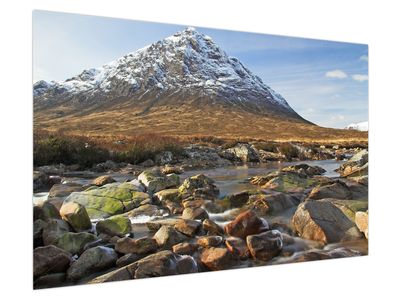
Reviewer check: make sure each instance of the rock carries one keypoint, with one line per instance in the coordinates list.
(136, 246)
(73, 242)
(102, 180)
(156, 224)
(76, 215)
(167, 169)
(188, 227)
(114, 226)
(237, 200)
(155, 181)
(266, 156)
(354, 164)
(185, 248)
(148, 163)
(199, 185)
(237, 247)
(186, 264)
(92, 260)
(105, 166)
(338, 190)
(361, 219)
(217, 258)
(110, 199)
(163, 158)
(40, 180)
(147, 210)
(266, 245)
(201, 157)
(305, 169)
(53, 229)
(324, 222)
(127, 259)
(168, 195)
(116, 275)
(212, 228)
(210, 241)
(348, 207)
(167, 236)
(242, 152)
(272, 203)
(284, 181)
(64, 190)
(50, 259)
(38, 227)
(45, 211)
(49, 281)
(195, 214)
(246, 223)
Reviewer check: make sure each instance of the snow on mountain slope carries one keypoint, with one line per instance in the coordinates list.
(186, 62)
(362, 126)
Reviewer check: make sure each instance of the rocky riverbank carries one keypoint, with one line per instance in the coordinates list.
(159, 221)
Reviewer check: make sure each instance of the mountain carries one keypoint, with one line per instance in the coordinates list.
(362, 126)
(184, 84)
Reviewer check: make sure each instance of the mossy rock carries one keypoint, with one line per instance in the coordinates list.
(349, 207)
(76, 215)
(290, 182)
(155, 181)
(169, 195)
(110, 199)
(73, 242)
(114, 226)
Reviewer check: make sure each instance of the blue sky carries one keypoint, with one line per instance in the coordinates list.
(326, 82)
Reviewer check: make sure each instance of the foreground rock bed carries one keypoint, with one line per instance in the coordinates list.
(88, 234)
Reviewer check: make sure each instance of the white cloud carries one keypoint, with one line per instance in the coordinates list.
(337, 118)
(336, 74)
(364, 57)
(360, 77)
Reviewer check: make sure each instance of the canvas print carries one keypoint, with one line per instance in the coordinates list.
(164, 149)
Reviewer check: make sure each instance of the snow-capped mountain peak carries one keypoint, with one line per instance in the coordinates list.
(187, 61)
(361, 126)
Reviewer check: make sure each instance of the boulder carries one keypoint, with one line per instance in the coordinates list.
(167, 236)
(272, 203)
(155, 181)
(210, 241)
(102, 180)
(348, 207)
(237, 200)
(237, 247)
(266, 156)
(266, 245)
(186, 264)
(127, 259)
(76, 215)
(147, 210)
(338, 190)
(64, 190)
(216, 259)
(354, 164)
(50, 281)
(304, 169)
(361, 219)
(50, 259)
(114, 226)
(92, 260)
(242, 152)
(53, 229)
(167, 169)
(73, 242)
(195, 213)
(284, 181)
(324, 222)
(212, 228)
(188, 227)
(45, 211)
(168, 195)
(157, 224)
(110, 199)
(246, 223)
(40, 180)
(140, 246)
(38, 227)
(185, 248)
(199, 185)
